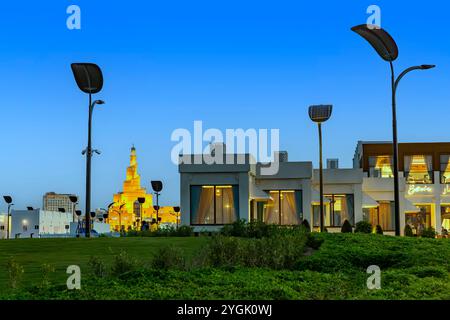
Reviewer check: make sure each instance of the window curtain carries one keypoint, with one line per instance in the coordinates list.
(299, 204)
(385, 212)
(316, 215)
(429, 162)
(235, 203)
(195, 201)
(408, 160)
(271, 213)
(350, 214)
(205, 211)
(289, 209)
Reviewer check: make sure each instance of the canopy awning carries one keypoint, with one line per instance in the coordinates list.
(369, 202)
(257, 194)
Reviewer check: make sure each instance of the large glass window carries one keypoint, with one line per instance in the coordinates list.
(380, 166)
(336, 211)
(214, 204)
(285, 208)
(419, 169)
(418, 221)
(382, 215)
(445, 168)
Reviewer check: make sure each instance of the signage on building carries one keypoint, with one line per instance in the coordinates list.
(419, 189)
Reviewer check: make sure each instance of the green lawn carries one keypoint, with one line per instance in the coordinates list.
(32, 253)
(412, 268)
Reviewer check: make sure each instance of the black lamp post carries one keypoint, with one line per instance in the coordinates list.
(177, 214)
(74, 200)
(89, 79)
(387, 49)
(157, 187)
(319, 114)
(8, 200)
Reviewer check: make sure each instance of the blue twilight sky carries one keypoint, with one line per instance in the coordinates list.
(231, 64)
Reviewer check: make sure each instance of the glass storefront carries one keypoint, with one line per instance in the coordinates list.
(336, 211)
(382, 215)
(445, 218)
(285, 208)
(212, 205)
(419, 169)
(380, 166)
(420, 220)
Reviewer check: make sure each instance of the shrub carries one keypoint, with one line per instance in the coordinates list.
(46, 270)
(363, 227)
(168, 257)
(123, 263)
(313, 242)
(15, 273)
(184, 231)
(408, 231)
(346, 227)
(97, 267)
(428, 233)
(379, 229)
(305, 224)
(236, 229)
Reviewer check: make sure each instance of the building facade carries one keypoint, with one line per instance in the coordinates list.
(216, 194)
(39, 223)
(54, 201)
(127, 212)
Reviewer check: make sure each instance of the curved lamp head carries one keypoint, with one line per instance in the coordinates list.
(320, 113)
(157, 186)
(78, 212)
(176, 209)
(141, 200)
(99, 102)
(379, 39)
(427, 66)
(8, 199)
(88, 76)
(62, 210)
(73, 199)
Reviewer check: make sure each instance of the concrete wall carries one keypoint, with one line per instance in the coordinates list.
(39, 222)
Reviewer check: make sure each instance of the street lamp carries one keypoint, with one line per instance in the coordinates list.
(387, 49)
(319, 114)
(89, 79)
(8, 200)
(74, 200)
(177, 214)
(157, 187)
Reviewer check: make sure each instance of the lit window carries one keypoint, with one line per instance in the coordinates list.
(214, 204)
(419, 169)
(380, 166)
(285, 208)
(382, 215)
(338, 209)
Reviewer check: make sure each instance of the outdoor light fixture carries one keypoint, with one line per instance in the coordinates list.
(74, 200)
(387, 49)
(30, 208)
(8, 200)
(78, 212)
(89, 79)
(157, 186)
(319, 114)
(177, 214)
(62, 210)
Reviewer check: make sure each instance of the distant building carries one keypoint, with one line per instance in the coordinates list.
(3, 225)
(54, 201)
(38, 223)
(126, 211)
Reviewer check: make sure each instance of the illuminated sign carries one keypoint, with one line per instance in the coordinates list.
(413, 189)
(446, 190)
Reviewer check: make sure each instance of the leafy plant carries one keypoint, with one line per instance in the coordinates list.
(46, 270)
(97, 267)
(363, 227)
(428, 233)
(306, 225)
(408, 231)
(123, 263)
(346, 227)
(15, 273)
(379, 229)
(168, 257)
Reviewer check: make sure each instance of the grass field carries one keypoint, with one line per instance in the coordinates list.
(412, 268)
(32, 253)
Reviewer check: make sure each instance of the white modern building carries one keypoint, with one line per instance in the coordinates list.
(38, 223)
(3, 225)
(216, 194)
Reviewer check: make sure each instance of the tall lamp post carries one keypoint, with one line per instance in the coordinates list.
(157, 187)
(74, 200)
(387, 49)
(177, 214)
(89, 79)
(8, 200)
(319, 114)
(141, 201)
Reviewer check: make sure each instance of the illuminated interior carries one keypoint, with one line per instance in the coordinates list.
(336, 211)
(380, 166)
(285, 208)
(382, 215)
(418, 221)
(445, 217)
(212, 205)
(419, 169)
